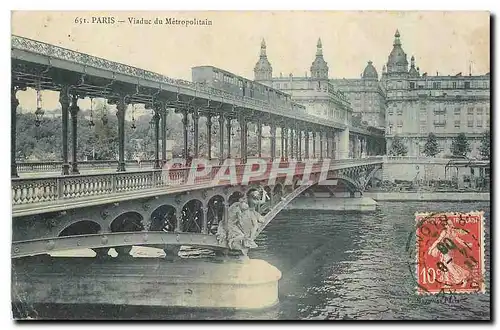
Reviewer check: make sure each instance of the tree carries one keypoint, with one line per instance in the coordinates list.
(398, 148)
(431, 146)
(460, 146)
(484, 148)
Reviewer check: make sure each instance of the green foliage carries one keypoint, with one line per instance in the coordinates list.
(484, 148)
(100, 142)
(398, 148)
(431, 146)
(460, 146)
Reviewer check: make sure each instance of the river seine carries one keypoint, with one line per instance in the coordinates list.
(335, 266)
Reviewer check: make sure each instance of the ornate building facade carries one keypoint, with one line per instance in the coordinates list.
(317, 93)
(402, 101)
(418, 104)
(366, 95)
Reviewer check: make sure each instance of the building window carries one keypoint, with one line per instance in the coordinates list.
(434, 85)
(285, 86)
(412, 85)
(488, 122)
(458, 111)
(400, 112)
(454, 84)
(470, 123)
(479, 111)
(479, 123)
(470, 111)
(467, 84)
(457, 123)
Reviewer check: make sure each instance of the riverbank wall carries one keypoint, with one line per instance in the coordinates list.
(429, 196)
(360, 204)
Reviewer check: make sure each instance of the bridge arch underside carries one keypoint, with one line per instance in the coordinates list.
(190, 218)
(340, 186)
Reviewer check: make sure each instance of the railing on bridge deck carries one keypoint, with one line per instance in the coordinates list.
(55, 166)
(68, 187)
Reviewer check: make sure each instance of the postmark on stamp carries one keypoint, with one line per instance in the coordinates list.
(450, 252)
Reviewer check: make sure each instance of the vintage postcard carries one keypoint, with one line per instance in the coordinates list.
(250, 165)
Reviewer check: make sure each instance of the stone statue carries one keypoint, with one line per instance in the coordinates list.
(240, 228)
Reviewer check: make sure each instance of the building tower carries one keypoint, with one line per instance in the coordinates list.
(397, 63)
(370, 72)
(319, 68)
(263, 70)
(413, 73)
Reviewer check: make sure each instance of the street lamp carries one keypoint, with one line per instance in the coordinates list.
(39, 111)
(133, 118)
(104, 118)
(91, 121)
(38, 116)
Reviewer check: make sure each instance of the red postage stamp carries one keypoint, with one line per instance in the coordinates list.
(450, 252)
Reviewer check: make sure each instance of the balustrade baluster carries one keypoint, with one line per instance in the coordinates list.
(113, 183)
(17, 195)
(84, 186)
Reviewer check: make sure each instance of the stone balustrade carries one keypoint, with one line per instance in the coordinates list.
(70, 187)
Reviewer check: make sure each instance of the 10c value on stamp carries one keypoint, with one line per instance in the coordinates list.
(450, 252)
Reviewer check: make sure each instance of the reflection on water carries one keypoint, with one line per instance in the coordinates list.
(335, 266)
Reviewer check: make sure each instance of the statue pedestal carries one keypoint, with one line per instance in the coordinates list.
(248, 284)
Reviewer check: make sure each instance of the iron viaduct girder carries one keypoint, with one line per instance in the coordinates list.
(196, 212)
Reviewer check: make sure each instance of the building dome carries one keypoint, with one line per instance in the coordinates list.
(370, 72)
(319, 68)
(397, 61)
(263, 69)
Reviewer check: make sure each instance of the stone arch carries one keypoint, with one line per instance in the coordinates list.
(192, 216)
(81, 227)
(164, 218)
(215, 213)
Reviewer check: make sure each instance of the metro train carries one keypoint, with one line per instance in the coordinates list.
(234, 84)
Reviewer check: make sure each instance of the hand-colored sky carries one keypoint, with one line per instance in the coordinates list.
(441, 41)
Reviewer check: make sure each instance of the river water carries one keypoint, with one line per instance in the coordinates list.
(334, 266)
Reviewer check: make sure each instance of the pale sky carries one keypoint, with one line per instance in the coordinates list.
(441, 41)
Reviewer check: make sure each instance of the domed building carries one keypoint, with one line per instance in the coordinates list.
(263, 70)
(366, 96)
(446, 105)
(319, 68)
(370, 72)
(397, 62)
(315, 92)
